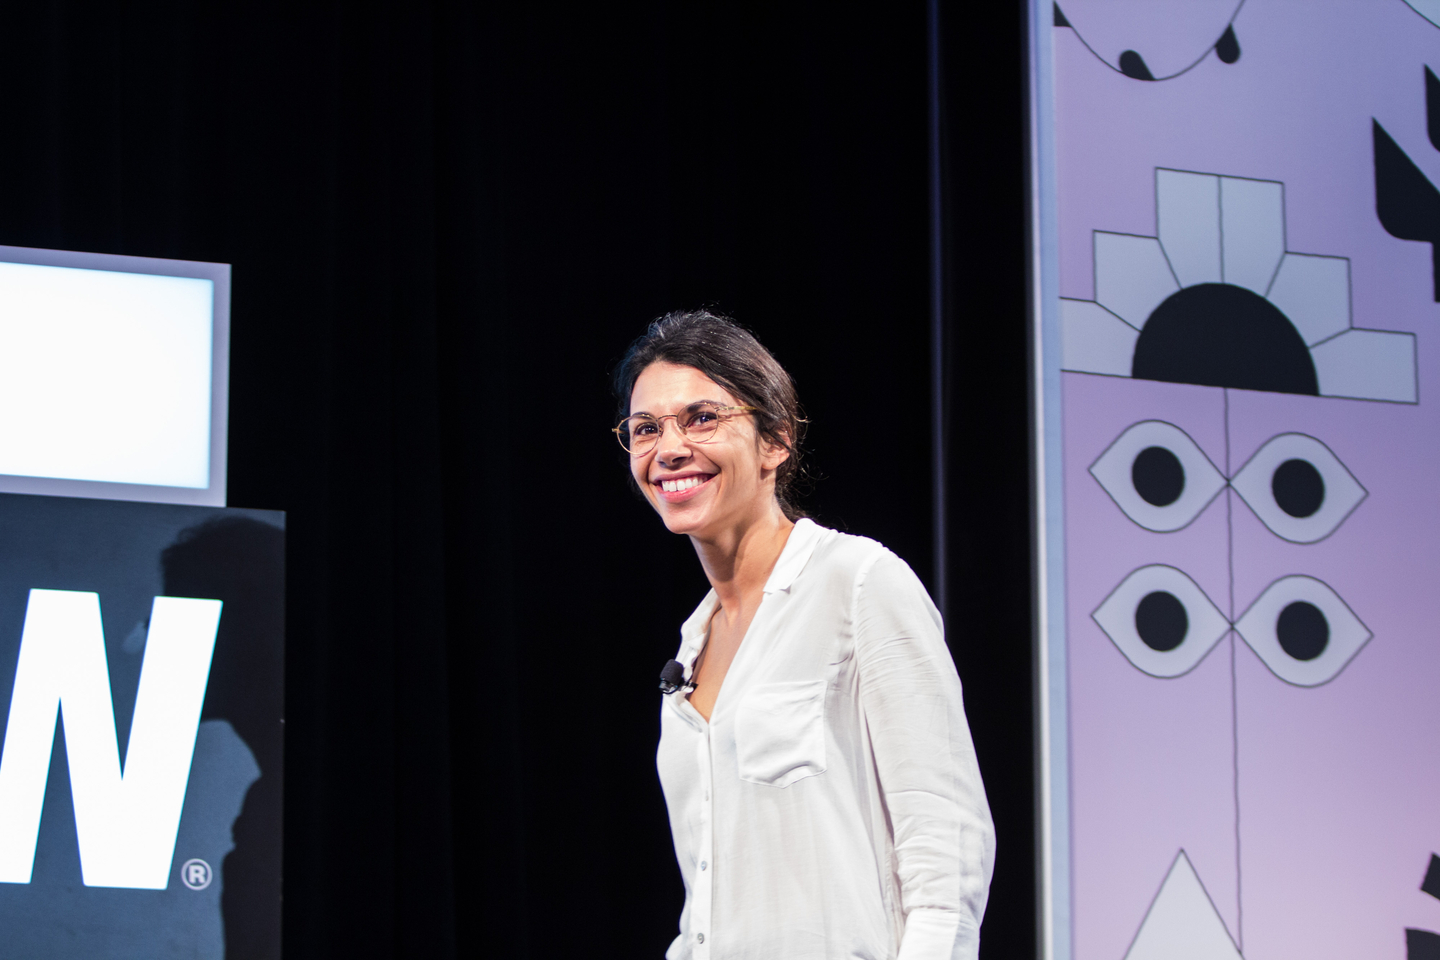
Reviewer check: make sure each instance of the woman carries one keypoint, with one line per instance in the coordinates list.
(822, 787)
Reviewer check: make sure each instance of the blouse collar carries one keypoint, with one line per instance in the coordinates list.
(796, 553)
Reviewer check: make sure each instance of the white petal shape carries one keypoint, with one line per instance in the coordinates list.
(1132, 276)
(1367, 365)
(1188, 215)
(1314, 292)
(1145, 487)
(1303, 631)
(1182, 923)
(1094, 340)
(1298, 488)
(1143, 618)
(1252, 231)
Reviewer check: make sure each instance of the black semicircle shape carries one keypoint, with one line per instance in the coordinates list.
(1221, 335)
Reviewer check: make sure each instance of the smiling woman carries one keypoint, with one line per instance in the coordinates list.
(823, 792)
(733, 361)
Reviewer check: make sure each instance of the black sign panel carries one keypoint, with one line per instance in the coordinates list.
(142, 692)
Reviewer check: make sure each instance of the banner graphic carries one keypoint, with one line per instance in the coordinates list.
(1238, 320)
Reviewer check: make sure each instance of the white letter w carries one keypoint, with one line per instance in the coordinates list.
(125, 824)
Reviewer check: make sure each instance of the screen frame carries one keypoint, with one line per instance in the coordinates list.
(219, 274)
(1052, 782)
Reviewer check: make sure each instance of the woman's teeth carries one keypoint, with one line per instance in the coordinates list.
(675, 486)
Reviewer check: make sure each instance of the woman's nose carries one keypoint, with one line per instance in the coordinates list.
(672, 445)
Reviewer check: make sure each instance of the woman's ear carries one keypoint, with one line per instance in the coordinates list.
(773, 452)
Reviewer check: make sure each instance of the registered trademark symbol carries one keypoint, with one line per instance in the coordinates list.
(196, 874)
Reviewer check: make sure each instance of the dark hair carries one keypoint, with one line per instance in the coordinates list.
(731, 356)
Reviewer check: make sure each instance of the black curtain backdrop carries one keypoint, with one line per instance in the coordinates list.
(446, 221)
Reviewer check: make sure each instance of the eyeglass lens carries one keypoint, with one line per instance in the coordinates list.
(697, 422)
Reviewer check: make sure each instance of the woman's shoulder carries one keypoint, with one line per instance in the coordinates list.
(855, 559)
(877, 588)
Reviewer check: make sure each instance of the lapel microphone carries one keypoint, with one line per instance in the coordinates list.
(672, 678)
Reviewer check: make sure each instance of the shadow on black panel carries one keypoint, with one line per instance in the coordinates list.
(241, 562)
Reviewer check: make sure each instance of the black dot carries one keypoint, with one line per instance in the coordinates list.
(1302, 630)
(1227, 48)
(1158, 476)
(1161, 621)
(1298, 487)
(1133, 66)
(1221, 335)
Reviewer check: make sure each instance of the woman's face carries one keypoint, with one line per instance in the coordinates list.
(726, 481)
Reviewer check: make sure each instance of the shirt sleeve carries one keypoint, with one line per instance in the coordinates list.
(928, 776)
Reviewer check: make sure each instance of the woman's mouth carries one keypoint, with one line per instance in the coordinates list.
(681, 488)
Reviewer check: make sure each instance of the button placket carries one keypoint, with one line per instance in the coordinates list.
(704, 886)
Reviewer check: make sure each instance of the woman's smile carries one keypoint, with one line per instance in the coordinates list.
(682, 487)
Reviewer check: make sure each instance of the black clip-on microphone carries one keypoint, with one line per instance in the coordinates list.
(672, 678)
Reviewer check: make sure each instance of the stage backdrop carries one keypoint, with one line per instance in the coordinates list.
(143, 817)
(1238, 403)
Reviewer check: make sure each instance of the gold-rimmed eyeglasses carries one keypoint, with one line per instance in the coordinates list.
(638, 432)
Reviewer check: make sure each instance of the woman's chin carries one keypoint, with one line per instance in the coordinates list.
(683, 518)
(683, 525)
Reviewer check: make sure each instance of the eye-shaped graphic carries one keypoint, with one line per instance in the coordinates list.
(1303, 631)
(1161, 621)
(1298, 488)
(1157, 475)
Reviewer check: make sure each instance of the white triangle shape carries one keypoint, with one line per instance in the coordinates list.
(1182, 923)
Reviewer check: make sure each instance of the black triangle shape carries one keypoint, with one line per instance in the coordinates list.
(1421, 945)
(1431, 883)
(1432, 107)
(1406, 202)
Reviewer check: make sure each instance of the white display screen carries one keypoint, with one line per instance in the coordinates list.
(112, 381)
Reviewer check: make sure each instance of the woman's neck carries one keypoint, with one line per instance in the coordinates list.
(738, 561)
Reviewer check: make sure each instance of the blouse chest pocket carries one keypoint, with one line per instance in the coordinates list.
(780, 732)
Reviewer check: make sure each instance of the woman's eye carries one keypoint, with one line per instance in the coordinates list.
(643, 428)
(701, 425)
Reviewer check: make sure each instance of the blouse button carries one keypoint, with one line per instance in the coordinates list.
(699, 938)
(703, 864)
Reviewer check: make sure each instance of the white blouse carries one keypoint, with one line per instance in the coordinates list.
(832, 807)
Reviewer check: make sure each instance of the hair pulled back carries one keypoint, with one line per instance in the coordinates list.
(731, 356)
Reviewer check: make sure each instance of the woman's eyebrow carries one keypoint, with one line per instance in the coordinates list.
(693, 403)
